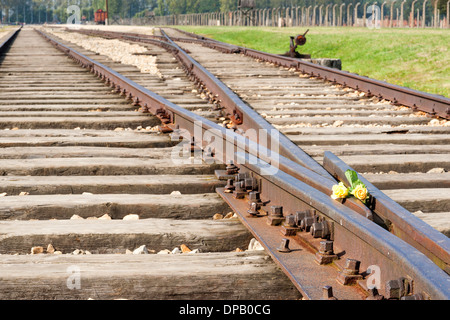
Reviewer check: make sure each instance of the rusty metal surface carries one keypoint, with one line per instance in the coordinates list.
(226, 98)
(400, 221)
(435, 105)
(354, 236)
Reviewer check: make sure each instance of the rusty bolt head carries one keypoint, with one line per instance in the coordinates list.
(230, 184)
(253, 209)
(351, 266)
(299, 216)
(254, 196)
(276, 211)
(290, 220)
(326, 247)
(306, 223)
(327, 292)
(284, 247)
(395, 289)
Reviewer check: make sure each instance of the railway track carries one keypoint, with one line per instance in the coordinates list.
(104, 157)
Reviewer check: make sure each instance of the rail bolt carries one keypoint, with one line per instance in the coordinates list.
(395, 289)
(284, 247)
(350, 274)
(328, 293)
(326, 247)
(319, 229)
(276, 211)
(306, 223)
(254, 197)
(230, 185)
(275, 217)
(239, 191)
(253, 211)
(231, 168)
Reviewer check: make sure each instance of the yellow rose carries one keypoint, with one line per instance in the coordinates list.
(360, 192)
(339, 191)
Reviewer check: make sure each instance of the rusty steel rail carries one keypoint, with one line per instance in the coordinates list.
(433, 104)
(400, 221)
(243, 117)
(324, 231)
(309, 171)
(336, 235)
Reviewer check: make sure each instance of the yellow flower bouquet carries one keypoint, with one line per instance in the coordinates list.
(357, 188)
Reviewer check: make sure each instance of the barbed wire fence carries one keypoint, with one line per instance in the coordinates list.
(375, 15)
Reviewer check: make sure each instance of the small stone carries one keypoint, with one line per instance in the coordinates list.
(230, 215)
(4, 194)
(91, 218)
(105, 217)
(184, 248)
(338, 123)
(434, 122)
(119, 129)
(128, 252)
(254, 245)
(50, 249)
(176, 250)
(165, 251)
(87, 252)
(77, 252)
(76, 217)
(131, 217)
(238, 250)
(218, 216)
(436, 170)
(57, 252)
(194, 251)
(175, 193)
(87, 194)
(24, 193)
(141, 250)
(37, 250)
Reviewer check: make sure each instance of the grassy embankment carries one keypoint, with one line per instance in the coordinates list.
(414, 58)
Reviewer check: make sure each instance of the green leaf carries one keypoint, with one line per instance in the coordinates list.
(352, 177)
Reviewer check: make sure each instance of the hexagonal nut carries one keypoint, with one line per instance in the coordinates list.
(394, 289)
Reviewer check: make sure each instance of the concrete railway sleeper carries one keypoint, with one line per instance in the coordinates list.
(331, 243)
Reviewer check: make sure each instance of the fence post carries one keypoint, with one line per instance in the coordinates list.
(448, 14)
(349, 17)
(423, 13)
(392, 14)
(356, 13)
(401, 14)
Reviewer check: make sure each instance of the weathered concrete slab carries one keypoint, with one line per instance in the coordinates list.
(131, 184)
(101, 166)
(369, 139)
(221, 276)
(398, 162)
(438, 220)
(42, 207)
(425, 200)
(115, 236)
(409, 180)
